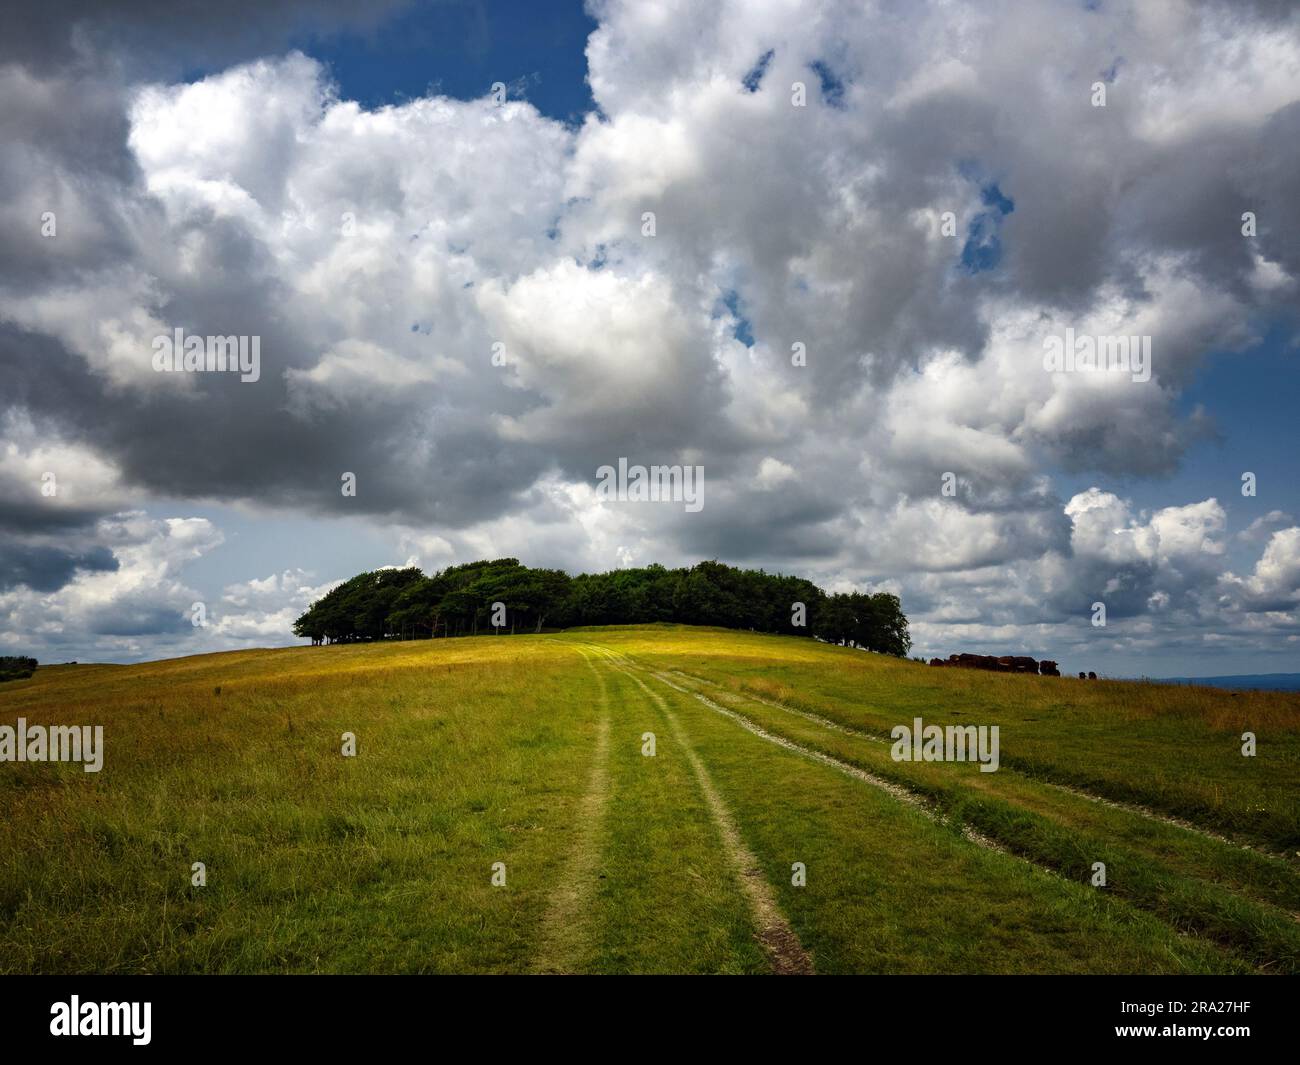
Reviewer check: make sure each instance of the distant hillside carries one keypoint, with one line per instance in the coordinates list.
(1264, 682)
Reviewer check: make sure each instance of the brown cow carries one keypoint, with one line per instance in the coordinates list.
(1019, 664)
(1001, 664)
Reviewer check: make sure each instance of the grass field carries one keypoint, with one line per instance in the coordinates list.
(528, 751)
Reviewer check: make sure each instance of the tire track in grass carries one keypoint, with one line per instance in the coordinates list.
(564, 933)
(1115, 804)
(913, 798)
(897, 791)
(847, 730)
(773, 931)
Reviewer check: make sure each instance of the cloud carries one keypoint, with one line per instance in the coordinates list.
(383, 257)
(125, 594)
(263, 611)
(1275, 583)
(47, 568)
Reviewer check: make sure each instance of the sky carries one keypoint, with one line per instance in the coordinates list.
(820, 250)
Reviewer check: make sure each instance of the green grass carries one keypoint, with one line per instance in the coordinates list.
(477, 751)
(1174, 748)
(664, 902)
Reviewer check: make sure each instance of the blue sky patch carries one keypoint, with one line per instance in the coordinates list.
(743, 330)
(983, 248)
(831, 85)
(460, 49)
(755, 77)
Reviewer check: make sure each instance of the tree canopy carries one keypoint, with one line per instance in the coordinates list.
(463, 600)
(16, 667)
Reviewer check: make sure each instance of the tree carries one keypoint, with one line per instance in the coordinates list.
(405, 603)
(875, 622)
(16, 667)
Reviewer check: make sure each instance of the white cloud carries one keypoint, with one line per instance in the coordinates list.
(380, 254)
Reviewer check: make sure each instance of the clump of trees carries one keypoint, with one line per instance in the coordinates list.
(16, 667)
(462, 601)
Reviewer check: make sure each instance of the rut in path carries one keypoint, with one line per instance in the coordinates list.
(562, 929)
(897, 791)
(779, 941)
(1080, 793)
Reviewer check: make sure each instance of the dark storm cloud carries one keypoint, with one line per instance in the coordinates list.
(128, 618)
(780, 526)
(44, 568)
(1270, 175)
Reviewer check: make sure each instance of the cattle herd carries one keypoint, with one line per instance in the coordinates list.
(1005, 664)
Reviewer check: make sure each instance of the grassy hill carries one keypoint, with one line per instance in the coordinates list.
(528, 751)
